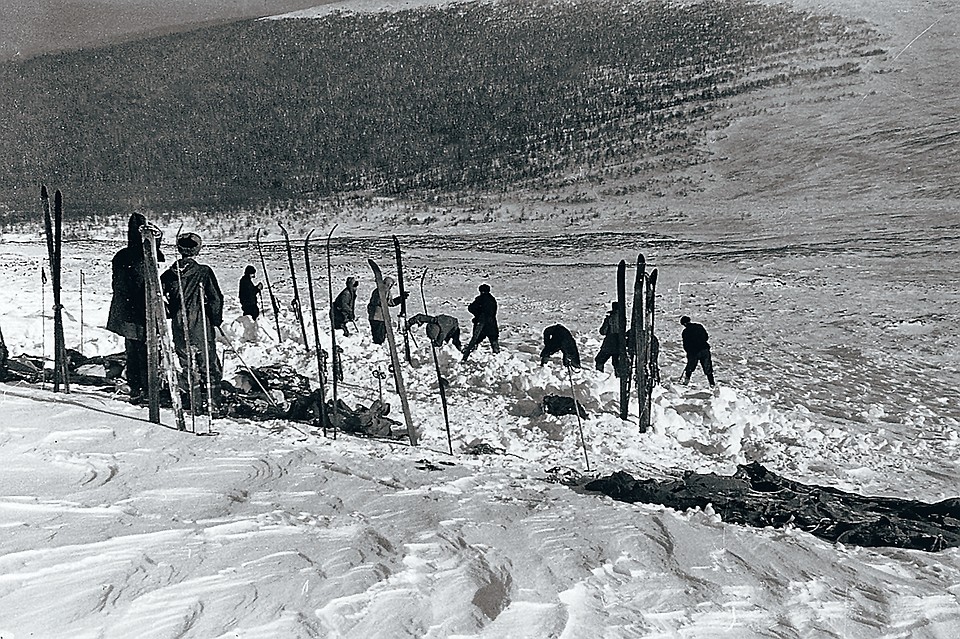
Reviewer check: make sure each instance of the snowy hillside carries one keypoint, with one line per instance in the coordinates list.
(134, 530)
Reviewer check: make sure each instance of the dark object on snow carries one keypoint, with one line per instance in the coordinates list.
(478, 447)
(560, 405)
(755, 496)
(370, 422)
(558, 339)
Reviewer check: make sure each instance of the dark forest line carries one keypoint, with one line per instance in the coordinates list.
(467, 97)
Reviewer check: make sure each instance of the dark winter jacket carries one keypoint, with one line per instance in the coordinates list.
(199, 283)
(557, 338)
(694, 338)
(345, 304)
(248, 296)
(484, 309)
(128, 308)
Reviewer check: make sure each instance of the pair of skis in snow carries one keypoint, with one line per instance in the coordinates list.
(53, 228)
(638, 345)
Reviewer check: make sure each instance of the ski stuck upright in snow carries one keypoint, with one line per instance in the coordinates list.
(266, 278)
(54, 234)
(160, 353)
(441, 382)
(321, 355)
(412, 431)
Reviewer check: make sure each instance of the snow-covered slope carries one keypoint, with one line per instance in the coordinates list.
(836, 366)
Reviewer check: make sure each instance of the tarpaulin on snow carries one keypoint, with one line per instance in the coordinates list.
(755, 496)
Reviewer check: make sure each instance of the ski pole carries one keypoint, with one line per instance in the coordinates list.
(206, 356)
(191, 363)
(576, 409)
(43, 325)
(233, 349)
(81, 311)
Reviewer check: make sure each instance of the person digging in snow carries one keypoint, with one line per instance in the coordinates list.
(484, 311)
(695, 344)
(440, 328)
(202, 299)
(128, 307)
(344, 305)
(558, 339)
(378, 326)
(612, 339)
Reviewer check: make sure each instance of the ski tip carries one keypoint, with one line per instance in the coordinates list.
(43, 192)
(58, 198)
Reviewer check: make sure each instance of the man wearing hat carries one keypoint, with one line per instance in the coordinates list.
(695, 344)
(484, 311)
(202, 300)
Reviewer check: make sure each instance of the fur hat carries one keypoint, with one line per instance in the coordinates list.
(685, 320)
(484, 288)
(250, 270)
(189, 244)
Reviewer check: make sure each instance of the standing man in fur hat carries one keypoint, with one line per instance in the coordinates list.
(695, 344)
(128, 308)
(202, 299)
(484, 311)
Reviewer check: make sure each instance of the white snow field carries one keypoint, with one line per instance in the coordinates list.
(836, 356)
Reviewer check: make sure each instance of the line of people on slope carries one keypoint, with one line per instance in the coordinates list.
(195, 306)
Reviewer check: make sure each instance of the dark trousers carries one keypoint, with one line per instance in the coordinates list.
(136, 364)
(379, 331)
(481, 331)
(701, 357)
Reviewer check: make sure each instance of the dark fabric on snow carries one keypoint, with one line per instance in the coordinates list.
(755, 496)
(561, 405)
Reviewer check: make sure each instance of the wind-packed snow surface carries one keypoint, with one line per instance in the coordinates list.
(835, 348)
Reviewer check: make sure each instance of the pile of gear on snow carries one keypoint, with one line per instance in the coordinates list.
(755, 496)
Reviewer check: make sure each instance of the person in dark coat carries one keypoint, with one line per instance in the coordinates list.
(612, 339)
(698, 350)
(202, 299)
(484, 311)
(378, 325)
(440, 328)
(128, 307)
(249, 292)
(344, 306)
(558, 339)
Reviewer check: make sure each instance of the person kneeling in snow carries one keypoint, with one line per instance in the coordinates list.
(557, 339)
(440, 328)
